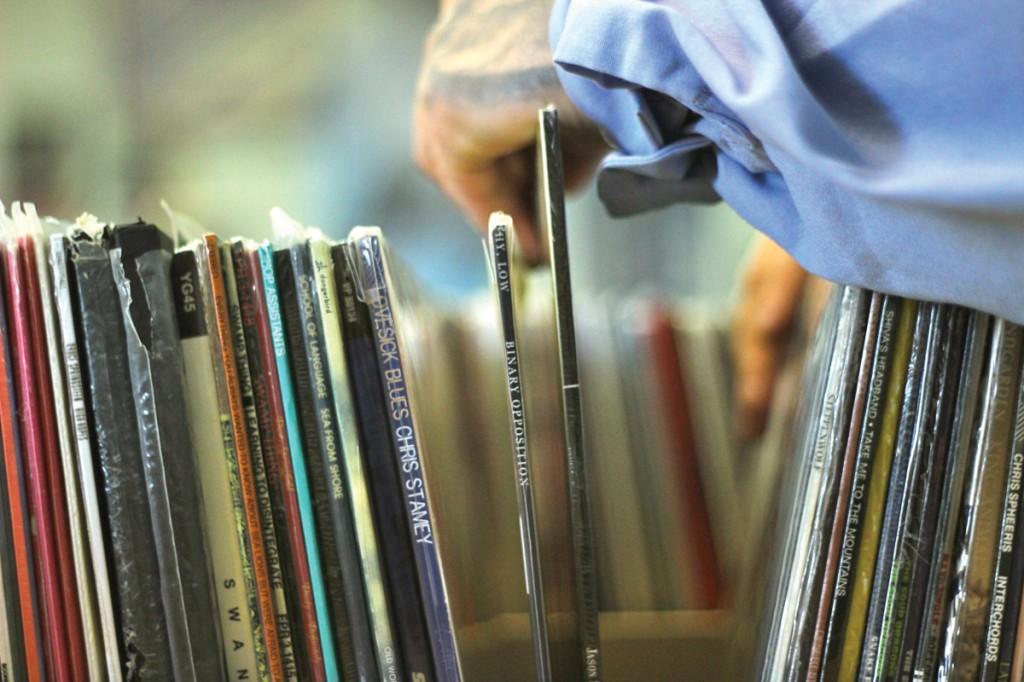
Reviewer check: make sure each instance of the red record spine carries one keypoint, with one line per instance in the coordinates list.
(283, 469)
(683, 448)
(47, 573)
(20, 522)
(75, 643)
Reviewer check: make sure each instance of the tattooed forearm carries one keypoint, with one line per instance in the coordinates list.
(490, 51)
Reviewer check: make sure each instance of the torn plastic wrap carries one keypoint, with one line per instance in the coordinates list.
(140, 263)
(144, 643)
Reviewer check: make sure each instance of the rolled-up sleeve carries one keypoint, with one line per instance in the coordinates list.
(880, 143)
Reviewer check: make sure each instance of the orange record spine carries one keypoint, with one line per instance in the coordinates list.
(20, 523)
(245, 470)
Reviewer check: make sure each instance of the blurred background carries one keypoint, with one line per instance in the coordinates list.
(227, 108)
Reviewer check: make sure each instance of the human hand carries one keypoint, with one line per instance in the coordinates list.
(486, 71)
(771, 292)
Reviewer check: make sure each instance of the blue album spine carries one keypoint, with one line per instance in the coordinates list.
(291, 416)
(406, 443)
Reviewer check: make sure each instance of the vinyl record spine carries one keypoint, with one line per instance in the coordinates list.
(853, 475)
(266, 508)
(828, 454)
(143, 630)
(281, 481)
(140, 260)
(234, 589)
(896, 507)
(553, 216)
(289, 287)
(817, 450)
(243, 456)
(51, 371)
(69, 363)
(330, 466)
(1001, 627)
(937, 461)
(25, 657)
(383, 476)
(922, 463)
(296, 457)
(502, 284)
(946, 533)
(965, 635)
(10, 633)
(375, 287)
(353, 491)
(47, 554)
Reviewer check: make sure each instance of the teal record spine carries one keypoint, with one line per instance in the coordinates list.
(291, 417)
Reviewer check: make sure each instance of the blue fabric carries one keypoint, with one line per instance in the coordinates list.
(880, 142)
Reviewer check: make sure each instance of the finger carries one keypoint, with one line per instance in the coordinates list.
(502, 186)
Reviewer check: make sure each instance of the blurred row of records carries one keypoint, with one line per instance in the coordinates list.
(281, 461)
(900, 554)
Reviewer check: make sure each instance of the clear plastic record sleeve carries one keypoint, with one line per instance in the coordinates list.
(818, 462)
(140, 259)
(774, 631)
(874, 336)
(941, 566)
(829, 450)
(965, 631)
(143, 631)
(937, 437)
(376, 286)
(1001, 623)
(848, 531)
(898, 499)
(500, 246)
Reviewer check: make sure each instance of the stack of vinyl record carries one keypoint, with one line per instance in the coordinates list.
(276, 461)
(226, 460)
(900, 556)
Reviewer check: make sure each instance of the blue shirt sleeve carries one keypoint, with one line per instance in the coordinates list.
(881, 143)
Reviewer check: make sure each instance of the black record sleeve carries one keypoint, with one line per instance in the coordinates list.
(144, 642)
(140, 258)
